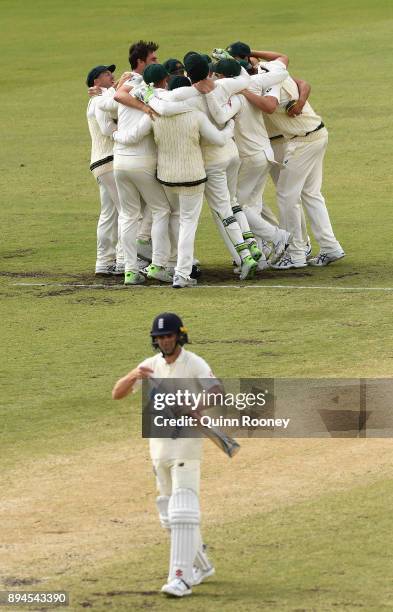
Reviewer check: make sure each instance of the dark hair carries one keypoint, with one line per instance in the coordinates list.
(139, 51)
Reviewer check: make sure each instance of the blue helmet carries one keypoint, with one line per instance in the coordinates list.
(168, 323)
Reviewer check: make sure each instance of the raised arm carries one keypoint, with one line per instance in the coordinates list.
(269, 56)
(169, 108)
(125, 385)
(304, 89)
(266, 104)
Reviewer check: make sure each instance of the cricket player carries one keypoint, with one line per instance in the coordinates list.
(176, 461)
(256, 154)
(299, 140)
(220, 162)
(180, 167)
(102, 124)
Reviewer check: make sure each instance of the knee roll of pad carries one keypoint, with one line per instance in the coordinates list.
(183, 507)
(162, 502)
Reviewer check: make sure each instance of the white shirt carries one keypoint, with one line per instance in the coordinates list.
(251, 135)
(186, 366)
(101, 126)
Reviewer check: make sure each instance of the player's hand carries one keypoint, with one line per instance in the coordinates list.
(205, 86)
(295, 109)
(142, 372)
(94, 91)
(124, 77)
(152, 113)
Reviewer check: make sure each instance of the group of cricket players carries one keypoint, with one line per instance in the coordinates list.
(168, 135)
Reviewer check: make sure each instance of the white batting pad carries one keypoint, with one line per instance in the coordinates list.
(184, 517)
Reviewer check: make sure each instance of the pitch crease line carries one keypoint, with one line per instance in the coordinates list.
(302, 287)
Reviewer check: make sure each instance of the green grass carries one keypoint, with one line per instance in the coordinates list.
(327, 554)
(63, 348)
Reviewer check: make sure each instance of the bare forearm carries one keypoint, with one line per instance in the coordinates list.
(124, 386)
(267, 104)
(123, 97)
(304, 89)
(270, 56)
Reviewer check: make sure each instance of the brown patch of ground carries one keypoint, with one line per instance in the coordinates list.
(59, 514)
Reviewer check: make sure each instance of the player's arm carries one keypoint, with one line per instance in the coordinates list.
(125, 385)
(168, 108)
(233, 85)
(267, 104)
(220, 110)
(304, 89)
(135, 134)
(122, 96)
(276, 73)
(212, 134)
(105, 122)
(270, 56)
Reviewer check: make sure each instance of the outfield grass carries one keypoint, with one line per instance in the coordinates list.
(65, 346)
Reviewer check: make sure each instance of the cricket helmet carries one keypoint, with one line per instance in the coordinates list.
(168, 323)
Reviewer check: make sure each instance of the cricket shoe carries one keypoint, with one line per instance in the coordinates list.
(108, 270)
(120, 269)
(200, 575)
(248, 268)
(142, 264)
(176, 588)
(263, 264)
(158, 273)
(133, 278)
(196, 270)
(266, 249)
(324, 259)
(180, 282)
(144, 249)
(280, 246)
(255, 251)
(286, 263)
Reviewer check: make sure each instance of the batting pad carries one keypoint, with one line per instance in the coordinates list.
(162, 502)
(184, 518)
(225, 236)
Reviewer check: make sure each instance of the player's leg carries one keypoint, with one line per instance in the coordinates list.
(190, 210)
(218, 198)
(155, 198)
(130, 211)
(317, 212)
(184, 517)
(232, 172)
(107, 226)
(289, 187)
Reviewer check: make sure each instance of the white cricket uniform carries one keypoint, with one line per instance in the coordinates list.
(252, 140)
(177, 467)
(300, 144)
(180, 169)
(134, 167)
(101, 126)
(221, 163)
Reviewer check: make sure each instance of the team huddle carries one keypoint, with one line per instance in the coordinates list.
(166, 136)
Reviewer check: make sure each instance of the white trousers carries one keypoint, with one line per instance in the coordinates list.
(251, 181)
(139, 180)
(218, 196)
(189, 206)
(177, 474)
(300, 183)
(108, 228)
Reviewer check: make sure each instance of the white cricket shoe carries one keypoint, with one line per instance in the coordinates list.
(176, 588)
(180, 282)
(280, 246)
(199, 575)
(324, 259)
(106, 270)
(286, 263)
